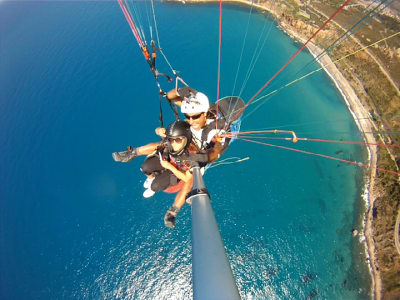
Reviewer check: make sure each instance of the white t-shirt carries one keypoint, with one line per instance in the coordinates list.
(197, 135)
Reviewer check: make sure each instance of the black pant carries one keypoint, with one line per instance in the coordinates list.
(163, 178)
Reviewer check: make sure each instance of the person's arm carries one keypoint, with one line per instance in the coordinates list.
(180, 198)
(177, 95)
(173, 95)
(185, 176)
(215, 152)
(147, 149)
(217, 144)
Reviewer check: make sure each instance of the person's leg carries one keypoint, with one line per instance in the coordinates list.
(152, 169)
(151, 165)
(163, 180)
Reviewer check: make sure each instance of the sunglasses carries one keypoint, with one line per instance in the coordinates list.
(177, 140)
(195, 117)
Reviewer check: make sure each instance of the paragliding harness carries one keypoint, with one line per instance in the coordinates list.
(182, 162)
(213, 125)
(227, 119)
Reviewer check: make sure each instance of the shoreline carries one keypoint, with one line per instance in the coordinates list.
(361, 118)
(365, 125)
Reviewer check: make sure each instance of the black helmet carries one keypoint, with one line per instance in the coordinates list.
(178, 132)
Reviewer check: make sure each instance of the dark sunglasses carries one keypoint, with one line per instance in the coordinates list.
(177, 140)
(195, 117)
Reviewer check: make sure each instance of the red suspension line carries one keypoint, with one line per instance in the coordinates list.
(132, 25)
(322, 155)
(219, 57)
(248, 135)
(349, 142)
(294, 55)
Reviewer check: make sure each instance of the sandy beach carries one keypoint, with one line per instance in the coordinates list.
(362, 119)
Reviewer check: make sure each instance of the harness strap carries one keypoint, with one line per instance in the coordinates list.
(152, 63)
(212, 126)
(174, 109)
(161, 113)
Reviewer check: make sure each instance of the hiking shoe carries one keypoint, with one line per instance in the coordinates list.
(125, 156)
(148, 182)
(148, 193)
(170, 217)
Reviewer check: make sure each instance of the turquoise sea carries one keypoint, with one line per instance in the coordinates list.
(74, 88)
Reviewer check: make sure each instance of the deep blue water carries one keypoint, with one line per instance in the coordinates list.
(74, 88)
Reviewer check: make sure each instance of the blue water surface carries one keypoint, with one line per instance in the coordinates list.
(74, 88)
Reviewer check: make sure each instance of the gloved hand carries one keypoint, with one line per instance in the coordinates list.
(170, 216)
(125, 156)
(186, 92)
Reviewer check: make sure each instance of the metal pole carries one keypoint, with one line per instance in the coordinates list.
(211, 271)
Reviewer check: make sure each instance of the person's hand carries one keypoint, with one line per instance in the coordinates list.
(217, 138)
(165, 164)
(161, 132)
(186, 92)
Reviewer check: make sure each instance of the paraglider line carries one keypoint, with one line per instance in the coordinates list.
(219, 57)
(313, 140)
(321, 155)
(294, 55)
(324, 66)
(131, 24)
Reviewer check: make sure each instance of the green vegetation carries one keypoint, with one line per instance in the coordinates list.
(386, 206)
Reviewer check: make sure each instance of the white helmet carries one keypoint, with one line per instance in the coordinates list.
(195, 104)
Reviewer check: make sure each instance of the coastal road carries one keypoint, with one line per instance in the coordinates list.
(377, 61)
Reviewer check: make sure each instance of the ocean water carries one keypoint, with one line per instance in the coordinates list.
(73, 225)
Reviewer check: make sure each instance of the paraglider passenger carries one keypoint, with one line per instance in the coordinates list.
(171, 164)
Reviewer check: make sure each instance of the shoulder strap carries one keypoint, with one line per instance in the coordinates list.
(211, 126)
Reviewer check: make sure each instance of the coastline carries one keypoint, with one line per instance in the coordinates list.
(365, 125)
(361, 117)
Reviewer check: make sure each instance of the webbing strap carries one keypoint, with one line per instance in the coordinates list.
(161, 113)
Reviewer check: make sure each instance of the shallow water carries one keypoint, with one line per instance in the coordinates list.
(74, 88)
